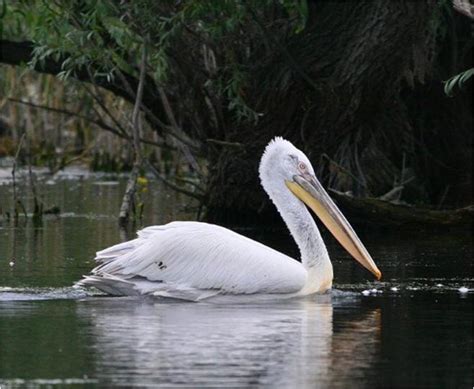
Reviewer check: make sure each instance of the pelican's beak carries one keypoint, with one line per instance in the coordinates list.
(309, 190)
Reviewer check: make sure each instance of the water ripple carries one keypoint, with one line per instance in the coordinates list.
(34, 294)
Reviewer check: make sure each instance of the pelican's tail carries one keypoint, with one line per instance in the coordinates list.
(111, 253)
(109, 275)
(109, 284)
(138, 286)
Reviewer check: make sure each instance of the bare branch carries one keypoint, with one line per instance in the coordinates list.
(170, 185)
(172, 119)
(101, 104)
(129, 195)
(98, 123)
(225, 143)
(16, 201)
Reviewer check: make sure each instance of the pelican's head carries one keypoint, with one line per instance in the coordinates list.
(282, 164)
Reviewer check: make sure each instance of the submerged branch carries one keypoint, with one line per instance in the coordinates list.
(383, 213)
(129, 195)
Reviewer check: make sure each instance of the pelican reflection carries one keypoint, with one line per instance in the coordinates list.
(285, 344)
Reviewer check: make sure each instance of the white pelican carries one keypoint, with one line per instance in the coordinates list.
(195, 261)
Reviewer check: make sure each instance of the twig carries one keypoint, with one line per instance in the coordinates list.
(225, 143)
(443, 197)
(343, 169)
(99, 123)
(15, 200)
(183, 144)
(170, 130)
(67, 162)
(169, 113)
(99, 101)
(170, 184)
(359, 170)
(144, 108)
(57, 110)
(395, 193)
(38, 206)
(189, 182)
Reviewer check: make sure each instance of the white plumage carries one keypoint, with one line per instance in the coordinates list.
(195, 261)
(199, 257)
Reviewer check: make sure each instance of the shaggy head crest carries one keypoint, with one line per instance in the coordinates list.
(275, 153)
(280, 144)
(276, 148)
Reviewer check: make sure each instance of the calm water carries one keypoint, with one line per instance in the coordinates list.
(412, 330)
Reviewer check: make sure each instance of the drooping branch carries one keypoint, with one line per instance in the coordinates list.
(18, 53)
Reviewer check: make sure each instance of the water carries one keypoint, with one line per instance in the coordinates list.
(414, 329)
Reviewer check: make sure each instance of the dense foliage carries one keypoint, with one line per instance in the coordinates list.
(357, 86)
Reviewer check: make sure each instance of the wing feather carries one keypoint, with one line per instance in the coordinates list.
(204, 257)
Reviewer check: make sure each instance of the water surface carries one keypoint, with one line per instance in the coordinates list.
(414, 329)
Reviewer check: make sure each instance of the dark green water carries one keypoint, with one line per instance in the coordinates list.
(413, 331)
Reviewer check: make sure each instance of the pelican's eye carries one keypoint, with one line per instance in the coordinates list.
(302, 167)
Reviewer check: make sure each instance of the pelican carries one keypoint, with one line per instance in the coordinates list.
(196, 261)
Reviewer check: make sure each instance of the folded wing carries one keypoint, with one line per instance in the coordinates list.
(193, 260)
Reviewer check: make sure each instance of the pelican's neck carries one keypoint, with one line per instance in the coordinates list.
(277, 162)
(302, 227)
(314, 255)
